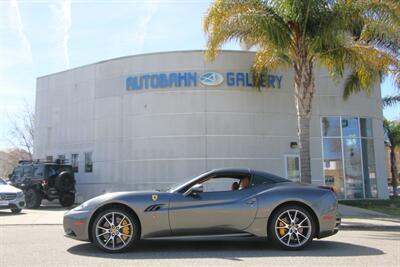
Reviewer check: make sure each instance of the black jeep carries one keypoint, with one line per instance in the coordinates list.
(45, 180)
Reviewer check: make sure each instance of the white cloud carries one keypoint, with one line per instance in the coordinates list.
(62, 24)
(152, 8)
(66, 21)
(15, 48)
(16, 21)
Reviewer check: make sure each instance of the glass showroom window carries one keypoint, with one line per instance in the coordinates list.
(292, 167)
(348, 152)
(88, 162)
(75, 162)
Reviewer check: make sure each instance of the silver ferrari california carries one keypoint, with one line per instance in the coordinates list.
(218, 202)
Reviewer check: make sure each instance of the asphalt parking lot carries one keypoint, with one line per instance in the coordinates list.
(40, 244)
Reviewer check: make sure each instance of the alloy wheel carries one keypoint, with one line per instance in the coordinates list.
(293, 228)
(114, 231)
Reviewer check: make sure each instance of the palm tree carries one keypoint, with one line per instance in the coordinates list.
(392, 131)
(391, 100)
(353, 39)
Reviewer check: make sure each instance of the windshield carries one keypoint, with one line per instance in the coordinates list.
(178, 186)
(2, 182)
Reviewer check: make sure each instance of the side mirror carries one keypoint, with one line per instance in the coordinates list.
(194, 190)
(9, 176)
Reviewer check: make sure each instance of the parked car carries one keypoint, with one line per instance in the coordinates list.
(225, 201)
(11, 197)
(45, 180)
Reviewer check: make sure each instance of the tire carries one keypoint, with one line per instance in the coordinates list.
(33, 199)
(16, 210)
(64, 182)
(116, 239)
(67, 200)
(294, 234)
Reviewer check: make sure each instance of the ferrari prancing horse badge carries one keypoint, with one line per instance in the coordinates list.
(154, 197)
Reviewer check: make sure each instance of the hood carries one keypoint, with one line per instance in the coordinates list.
(9, 189)
(117, 195)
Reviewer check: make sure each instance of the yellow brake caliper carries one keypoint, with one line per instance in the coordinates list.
(281, 230)
(125, 230)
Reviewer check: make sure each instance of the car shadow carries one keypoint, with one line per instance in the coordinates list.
(9, 213)
(226, 249)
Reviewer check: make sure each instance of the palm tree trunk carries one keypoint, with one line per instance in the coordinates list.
(393, 168)
(304, 91)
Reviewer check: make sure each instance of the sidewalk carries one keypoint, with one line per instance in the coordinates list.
(354, 218)
(46, 215)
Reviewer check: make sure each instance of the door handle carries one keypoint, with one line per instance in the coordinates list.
(251, 201)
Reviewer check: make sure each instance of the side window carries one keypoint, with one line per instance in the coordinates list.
(292, 163)
(220, 184)
(17, 172)
(28, 171)
(259, 180)
(38, 171)
(75, 162)
(88, 162)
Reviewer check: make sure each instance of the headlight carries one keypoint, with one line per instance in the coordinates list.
(20, 194)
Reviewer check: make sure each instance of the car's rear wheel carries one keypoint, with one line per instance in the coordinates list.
(115, 230)
(33, 199)
(291, 227)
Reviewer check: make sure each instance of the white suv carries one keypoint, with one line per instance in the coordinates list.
(11, 197)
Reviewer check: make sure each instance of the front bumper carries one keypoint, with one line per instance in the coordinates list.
(17, 203)
(76, 224)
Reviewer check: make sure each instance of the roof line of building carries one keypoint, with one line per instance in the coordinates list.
(139, 55)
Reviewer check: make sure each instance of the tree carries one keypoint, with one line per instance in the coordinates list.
(9, 159)
(391, 100)
(22, 130)
(355, 40)
(392, 132)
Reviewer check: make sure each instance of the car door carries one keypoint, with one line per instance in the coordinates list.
(216, 212)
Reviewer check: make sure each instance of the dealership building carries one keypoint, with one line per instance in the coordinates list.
(149, 121)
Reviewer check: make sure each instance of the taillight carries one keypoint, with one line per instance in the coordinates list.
(327, 188)
(45, 183)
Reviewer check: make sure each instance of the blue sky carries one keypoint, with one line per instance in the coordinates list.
(39, 37)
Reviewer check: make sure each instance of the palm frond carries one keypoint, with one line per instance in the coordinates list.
(390, 100)
(250, 21)
(266, 60)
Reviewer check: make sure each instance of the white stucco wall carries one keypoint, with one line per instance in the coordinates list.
(152, 138)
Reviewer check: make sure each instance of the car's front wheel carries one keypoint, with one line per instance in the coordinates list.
(16, 210)
(33, 198)
(291, 227)
(115, 230)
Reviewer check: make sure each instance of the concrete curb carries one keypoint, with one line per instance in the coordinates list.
(363, 227)
(33, 224)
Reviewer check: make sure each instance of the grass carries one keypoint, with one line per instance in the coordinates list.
(388, 206)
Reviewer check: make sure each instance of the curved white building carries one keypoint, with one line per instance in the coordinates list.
(151, 120)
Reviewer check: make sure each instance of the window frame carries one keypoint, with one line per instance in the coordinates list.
(342, 137)
(76, 162)
(91, 160)
(286, 169)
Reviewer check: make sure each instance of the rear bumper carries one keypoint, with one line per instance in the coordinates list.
(334, 231)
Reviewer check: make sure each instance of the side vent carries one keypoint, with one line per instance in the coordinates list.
(152, 208)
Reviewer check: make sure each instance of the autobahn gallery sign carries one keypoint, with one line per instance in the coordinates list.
(192, 79)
